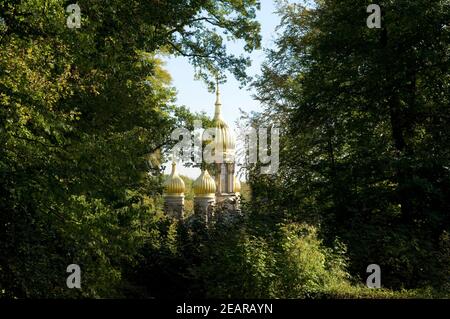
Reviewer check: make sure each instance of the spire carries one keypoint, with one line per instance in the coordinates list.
(174, 168)
(218, 110)
(174, 164)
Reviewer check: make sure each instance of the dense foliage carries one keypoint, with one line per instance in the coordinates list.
(86, 115)
(366, 147)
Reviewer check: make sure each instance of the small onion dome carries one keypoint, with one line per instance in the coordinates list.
(237, 185)
(174, 184)
(204, 185)
(224, 138)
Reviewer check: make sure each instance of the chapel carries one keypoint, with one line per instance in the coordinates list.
(215, 193)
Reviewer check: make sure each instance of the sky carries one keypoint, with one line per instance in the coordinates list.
(194, 94)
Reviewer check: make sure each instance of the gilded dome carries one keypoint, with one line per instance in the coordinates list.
(224, 138)
(204, 185)
(237, 185)
(174, 185)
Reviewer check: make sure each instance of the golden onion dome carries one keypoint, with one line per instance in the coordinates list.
(224, 138)
(237, 185)
(204, 185)
(174, 185)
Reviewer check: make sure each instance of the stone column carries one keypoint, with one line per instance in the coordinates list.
(204, 207)
(174, 206)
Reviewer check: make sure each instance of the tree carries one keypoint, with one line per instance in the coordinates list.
(84, 114)
(365, 152)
